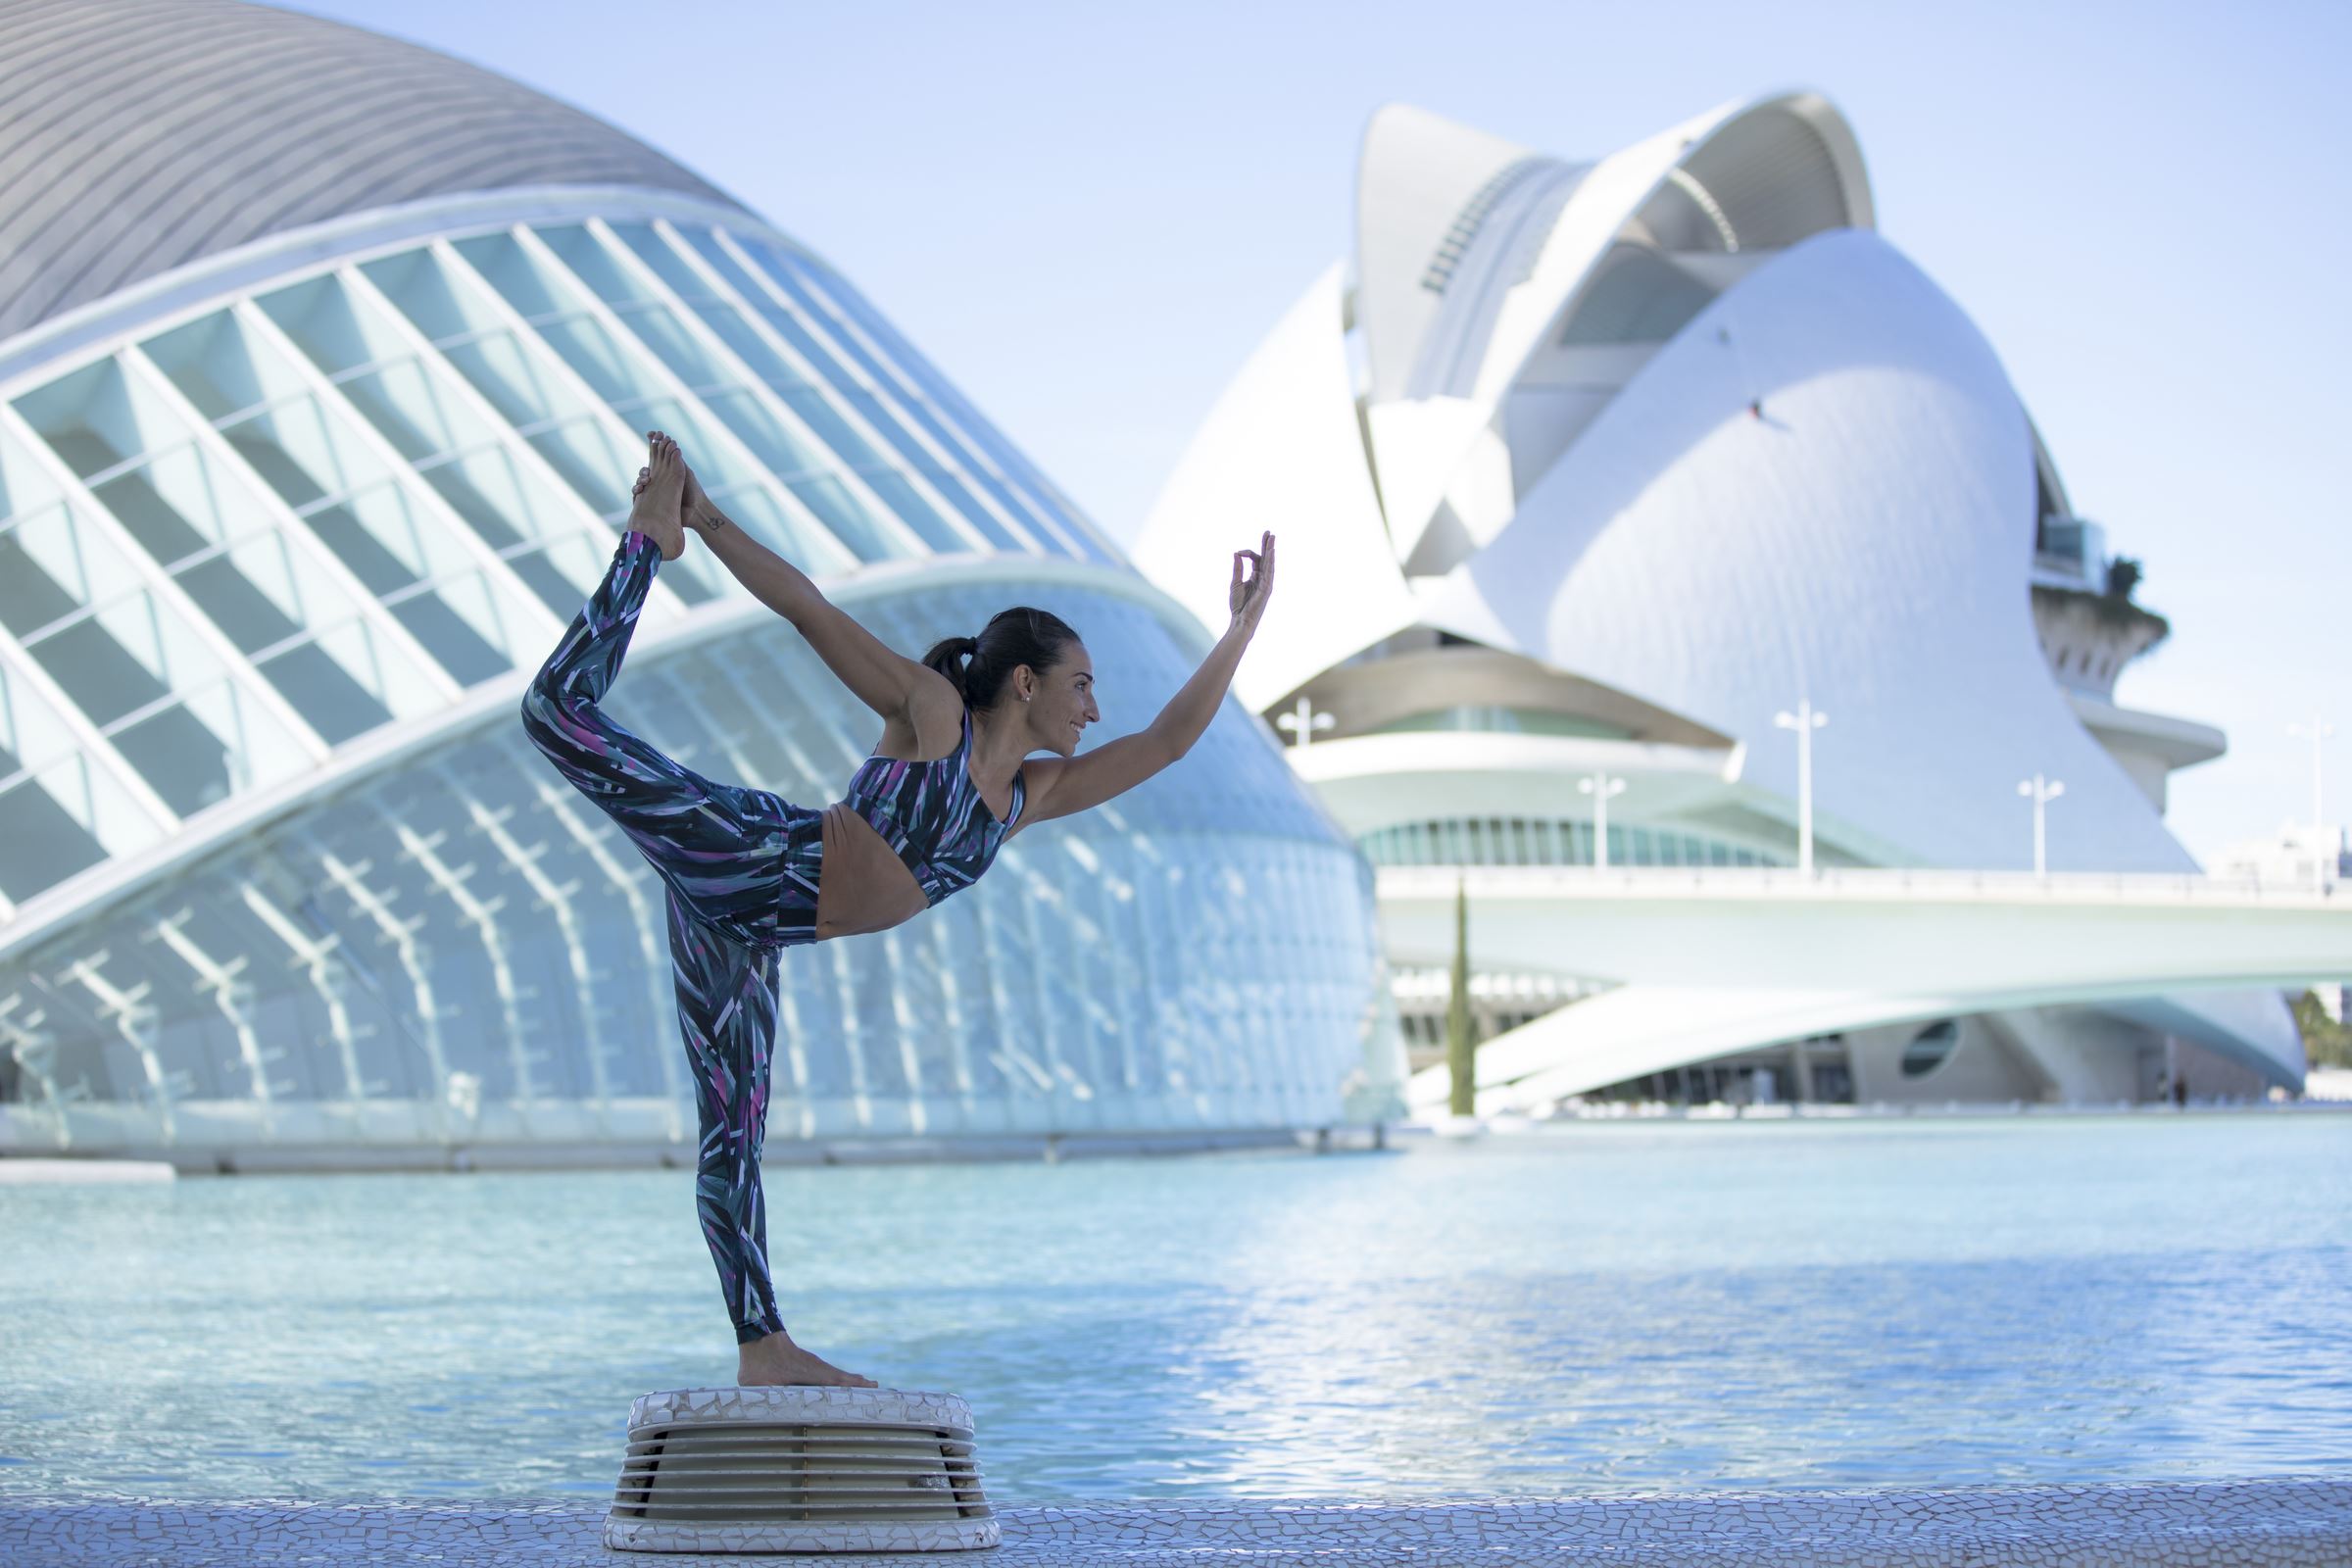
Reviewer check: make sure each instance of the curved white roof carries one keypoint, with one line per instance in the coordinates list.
(139, 135)
(1680, 423)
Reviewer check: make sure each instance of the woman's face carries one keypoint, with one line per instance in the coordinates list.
(1065, 701)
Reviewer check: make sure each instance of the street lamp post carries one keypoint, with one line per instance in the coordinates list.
(1304, 722)
(2042, 791)
(1805, 720)
(1600, 786)
(2317, 731)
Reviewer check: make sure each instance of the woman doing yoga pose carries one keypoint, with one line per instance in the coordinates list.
(748, 873)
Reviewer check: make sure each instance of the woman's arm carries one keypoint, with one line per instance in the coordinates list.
(1061, 786)
(882, 678)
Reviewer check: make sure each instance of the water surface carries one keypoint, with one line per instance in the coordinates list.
(1591, 1306)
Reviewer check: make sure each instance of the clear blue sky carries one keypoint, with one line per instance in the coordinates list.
(1088, 214)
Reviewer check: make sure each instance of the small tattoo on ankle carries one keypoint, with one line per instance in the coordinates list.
(713, 520)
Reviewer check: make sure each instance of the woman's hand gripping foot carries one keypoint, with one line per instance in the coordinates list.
(658, 499)
(776, 1359)
(696, 510)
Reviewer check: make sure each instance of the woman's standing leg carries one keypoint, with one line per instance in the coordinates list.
(732, 901)
(727, 1012)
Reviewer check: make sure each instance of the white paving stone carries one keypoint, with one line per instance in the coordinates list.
(2260, 1523)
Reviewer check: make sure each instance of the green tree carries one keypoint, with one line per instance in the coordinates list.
(2326, 1043)
(1460, 1048)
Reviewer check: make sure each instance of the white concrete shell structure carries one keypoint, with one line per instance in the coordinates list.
(324, 362)
(1593, 474)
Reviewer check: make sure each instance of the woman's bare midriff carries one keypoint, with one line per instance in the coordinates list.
(862, 884)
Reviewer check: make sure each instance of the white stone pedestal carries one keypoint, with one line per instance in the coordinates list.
(799, 1469)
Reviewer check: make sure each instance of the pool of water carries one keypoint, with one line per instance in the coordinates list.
(1589, 1307)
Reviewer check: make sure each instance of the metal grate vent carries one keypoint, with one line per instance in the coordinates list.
(799, 1469)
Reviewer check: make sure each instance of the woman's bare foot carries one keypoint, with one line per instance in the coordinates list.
(655, 506)
(776, 1359)
(700, 512)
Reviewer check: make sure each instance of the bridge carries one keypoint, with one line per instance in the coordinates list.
(1711, 961)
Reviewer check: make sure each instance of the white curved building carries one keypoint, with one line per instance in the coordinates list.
(324, 362)
(1597, 471)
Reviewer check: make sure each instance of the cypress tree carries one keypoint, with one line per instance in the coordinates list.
(1459, 1047)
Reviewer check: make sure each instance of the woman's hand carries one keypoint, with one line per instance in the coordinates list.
(1247, 600)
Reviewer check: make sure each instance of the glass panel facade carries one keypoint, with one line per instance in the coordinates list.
(1038, 496)
(806, 283)
(59, 810)
(101, 417)
(822, 410)
(51, 566)
(324, 510)
(486, 950)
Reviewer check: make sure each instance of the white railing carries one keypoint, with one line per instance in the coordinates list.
(1854, 883)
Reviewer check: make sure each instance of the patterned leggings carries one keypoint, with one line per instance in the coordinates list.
(740, 869)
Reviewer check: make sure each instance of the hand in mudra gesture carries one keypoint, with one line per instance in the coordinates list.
(1247, 600)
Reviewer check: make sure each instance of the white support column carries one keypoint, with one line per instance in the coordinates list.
(283, 519)
(1047, 1021)
(897, 974)
(555, 897)
(402, 935)
(230, 994)
(841, 973)
(316, 956)
(825, 967)
(1158, 1000)
(1108, 969)
(133, 555)
(128, 1011)
(482, 916)
(560, 804)
(1112, 968)
(1190, 1032)
(945, 955)
(35, 1050)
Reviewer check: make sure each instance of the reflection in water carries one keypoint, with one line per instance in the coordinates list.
(1584, 1307)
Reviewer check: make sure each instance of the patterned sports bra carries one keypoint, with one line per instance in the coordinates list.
(932, 815)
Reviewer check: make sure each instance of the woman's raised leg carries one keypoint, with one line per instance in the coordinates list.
(720, 847)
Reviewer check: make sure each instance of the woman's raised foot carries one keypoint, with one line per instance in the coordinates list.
(656, 504)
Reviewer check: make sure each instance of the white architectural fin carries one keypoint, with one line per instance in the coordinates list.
(1419, 445)
(1282, 450)
(1418, 184)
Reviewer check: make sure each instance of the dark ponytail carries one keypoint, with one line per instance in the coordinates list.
(952, 657)
(978, 667)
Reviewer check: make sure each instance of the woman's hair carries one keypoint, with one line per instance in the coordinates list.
(979, 666)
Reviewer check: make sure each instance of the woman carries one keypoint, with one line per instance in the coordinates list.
(748, 873)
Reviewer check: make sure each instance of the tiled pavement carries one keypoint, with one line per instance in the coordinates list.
(2242, 1522)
